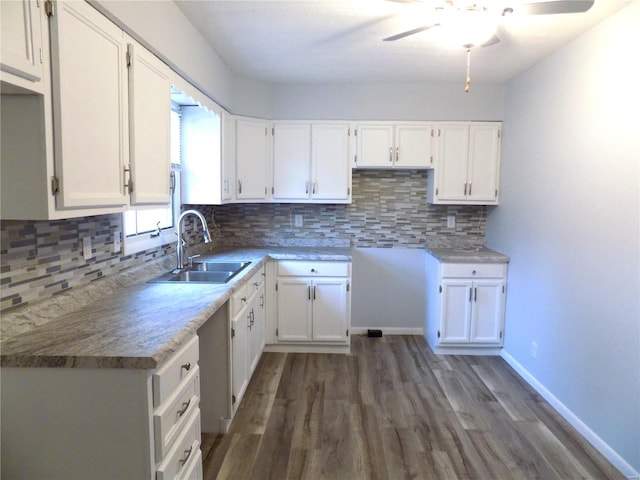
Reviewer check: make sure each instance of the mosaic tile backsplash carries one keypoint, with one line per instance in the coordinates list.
(39, 259)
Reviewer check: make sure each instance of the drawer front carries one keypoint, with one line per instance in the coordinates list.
(193, 468)
(167, 378)
(171, 416)
(256, 282)
(474, 270)
(314, 269)
(186, 446)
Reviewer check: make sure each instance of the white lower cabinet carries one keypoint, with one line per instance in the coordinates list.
(465, 307)
(313, 302)
(103, 422)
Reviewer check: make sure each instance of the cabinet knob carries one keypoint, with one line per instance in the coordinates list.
(313, 270)
(474, 272)
(186, 366)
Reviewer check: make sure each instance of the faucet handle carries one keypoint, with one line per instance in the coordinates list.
(190, 259)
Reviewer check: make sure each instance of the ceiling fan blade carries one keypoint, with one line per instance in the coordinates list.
(492, 41)
(560, 6)
(407, 33)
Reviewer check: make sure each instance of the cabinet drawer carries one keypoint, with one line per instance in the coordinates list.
(186, 446)
(167, 378)
(474, 270)
(256, 282)
(314, 269)
(193, 468)
(170, 417)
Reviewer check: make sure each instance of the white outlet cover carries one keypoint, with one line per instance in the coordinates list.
(297, 220)
(117, 242)
(86, 248)
(451, 221)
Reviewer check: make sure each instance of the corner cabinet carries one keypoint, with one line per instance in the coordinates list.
(394, 145)
(467, 168)
(311, 162)
(465, 307)
(313, 304)
(99, 134)
(104, 422)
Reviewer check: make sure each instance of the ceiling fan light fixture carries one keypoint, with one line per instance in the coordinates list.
(472, 26)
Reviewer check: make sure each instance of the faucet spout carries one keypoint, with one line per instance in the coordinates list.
(181, 247)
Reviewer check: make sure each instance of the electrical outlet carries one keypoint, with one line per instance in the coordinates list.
(86, 248)
(117, 242)
(534, 349)
(451, 221)
(297, 220)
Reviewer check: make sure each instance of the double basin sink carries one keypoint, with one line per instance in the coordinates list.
(203, 272)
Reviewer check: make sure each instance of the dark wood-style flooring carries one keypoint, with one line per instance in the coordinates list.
(394, 410)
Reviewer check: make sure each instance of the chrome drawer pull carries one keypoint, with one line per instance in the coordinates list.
(186, 366)
(185, 406)
(187, 455)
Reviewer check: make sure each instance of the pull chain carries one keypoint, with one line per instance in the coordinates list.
(466, 88)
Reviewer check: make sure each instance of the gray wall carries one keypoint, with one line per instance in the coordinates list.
(569, 220)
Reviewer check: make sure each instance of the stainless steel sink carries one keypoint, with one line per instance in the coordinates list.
(203, 272)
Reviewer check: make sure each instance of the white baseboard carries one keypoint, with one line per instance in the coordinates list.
(388, 330)
(599, 444)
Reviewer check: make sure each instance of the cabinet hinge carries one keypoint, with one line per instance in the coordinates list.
(48, 8)
(500, 333)
(348, 191)
(355, 132)
(41, 56)
(436, 191)
(129, 54)
(502, 288)
(233, 399)
(438, 333)
(273, 131)
(55, 185)
(129, 185)
(172, 182)
(496, 193)
(347, 334)
(266, 130)
(276, 286)
(233, 332)
(277, 332)
(273, 190)
(348, 132)
(355, 158)
(431, 159)
(347, 287)
(438, 132)
(499, 133)
(440, 289)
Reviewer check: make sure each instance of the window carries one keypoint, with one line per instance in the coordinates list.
(145, 229)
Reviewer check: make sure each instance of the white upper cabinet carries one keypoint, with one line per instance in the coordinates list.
(201, 150)
(311, 162)
(467, 169)
(21, 55)
(90, 107)
(149, 127)
(394, 145)
(291, 161)
(252, 159)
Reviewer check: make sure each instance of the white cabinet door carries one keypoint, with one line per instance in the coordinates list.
(293, 308)
(228, 157)
(330, 309)
(374, 146)
(251, 159)
(455, 313)
(484, 162)
(239, 356)
(201, 148)
(451, 170)
(149, 127)
(331, 176)
(90, 106)
(21, 35)
(487, 313)
(291, 161)
(413, 146)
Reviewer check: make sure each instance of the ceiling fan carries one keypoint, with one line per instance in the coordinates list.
(483, 11)
(473, 23)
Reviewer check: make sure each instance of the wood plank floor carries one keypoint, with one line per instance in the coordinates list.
(394, 410)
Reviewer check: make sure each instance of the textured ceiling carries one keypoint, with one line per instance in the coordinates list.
(341, 40)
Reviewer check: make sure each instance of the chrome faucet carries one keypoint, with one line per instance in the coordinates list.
(181, 247)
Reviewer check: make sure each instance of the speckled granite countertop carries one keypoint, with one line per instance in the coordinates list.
(141, 324)
(468, 255)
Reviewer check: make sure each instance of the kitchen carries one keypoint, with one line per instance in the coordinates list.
(545, 198)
